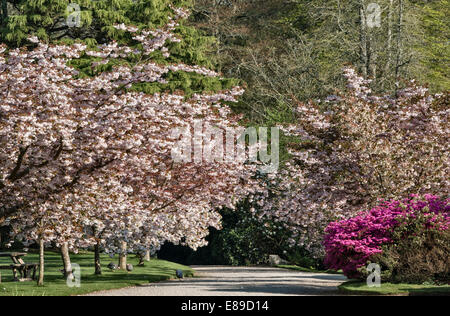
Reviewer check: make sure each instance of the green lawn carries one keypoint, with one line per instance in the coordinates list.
(358, 287)
(303, 269)
(55, 285)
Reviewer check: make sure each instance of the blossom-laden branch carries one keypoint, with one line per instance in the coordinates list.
(94, 153)
(355, 148)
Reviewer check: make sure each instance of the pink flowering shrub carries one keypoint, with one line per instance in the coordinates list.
(351, 243)
(349, 150)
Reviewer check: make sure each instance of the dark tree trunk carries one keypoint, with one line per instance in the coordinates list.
(98, 266)
(141, 257)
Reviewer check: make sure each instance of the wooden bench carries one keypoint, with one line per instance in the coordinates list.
(27, 271)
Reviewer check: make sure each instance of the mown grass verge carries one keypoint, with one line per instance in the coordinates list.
(360, 288)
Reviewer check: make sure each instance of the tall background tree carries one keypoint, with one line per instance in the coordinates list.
(289, 51)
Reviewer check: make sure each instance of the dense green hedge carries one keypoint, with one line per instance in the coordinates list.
(243, 240)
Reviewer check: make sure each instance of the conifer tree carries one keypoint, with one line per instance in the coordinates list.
(92, 21)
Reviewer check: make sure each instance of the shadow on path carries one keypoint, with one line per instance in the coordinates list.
(251, 281)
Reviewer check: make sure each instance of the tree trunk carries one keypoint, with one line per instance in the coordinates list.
(41, 263)
(389, 40)
(123, 255)
(399, 39)
(98, 266)
(66, 261)
(141, 260)
(363, 39)
(143, 256)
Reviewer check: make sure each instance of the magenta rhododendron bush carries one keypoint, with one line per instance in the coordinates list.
(351, 243)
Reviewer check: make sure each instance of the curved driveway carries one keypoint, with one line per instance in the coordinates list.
(239, 281)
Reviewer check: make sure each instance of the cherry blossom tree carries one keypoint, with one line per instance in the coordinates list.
(355, 148)
(80, 152)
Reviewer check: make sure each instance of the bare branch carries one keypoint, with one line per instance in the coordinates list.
(14, 175)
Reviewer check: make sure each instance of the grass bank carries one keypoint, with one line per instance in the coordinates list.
(154, 271)
(361, 288)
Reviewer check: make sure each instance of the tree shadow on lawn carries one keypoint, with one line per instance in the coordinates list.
(149, 275)
(108, 277)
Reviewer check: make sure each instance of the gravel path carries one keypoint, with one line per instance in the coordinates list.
(238, 281)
